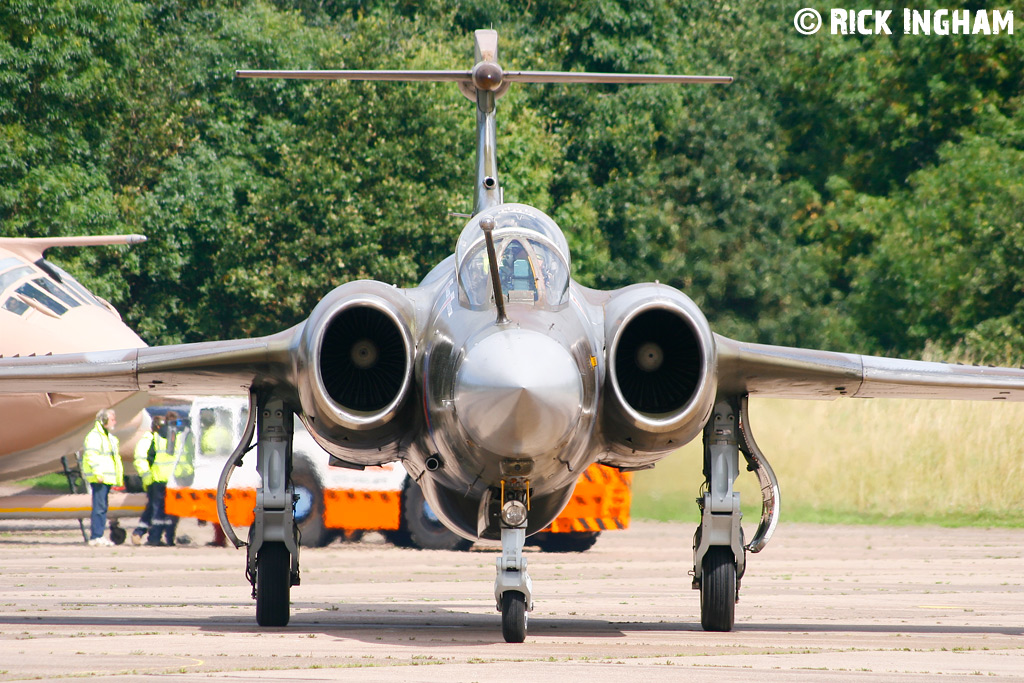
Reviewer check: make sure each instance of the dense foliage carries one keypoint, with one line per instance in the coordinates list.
(862, 193)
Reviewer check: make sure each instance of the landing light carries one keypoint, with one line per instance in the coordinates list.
(513, 513)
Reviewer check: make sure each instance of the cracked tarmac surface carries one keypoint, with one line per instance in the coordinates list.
(820, 603)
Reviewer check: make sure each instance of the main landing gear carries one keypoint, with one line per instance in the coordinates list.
(719, 555)
(272, 555)
(273, 552)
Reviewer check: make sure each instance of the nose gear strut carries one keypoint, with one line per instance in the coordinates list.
(513, 588)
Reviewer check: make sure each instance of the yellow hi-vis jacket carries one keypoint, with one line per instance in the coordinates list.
(163, 461)
(101, 461)
(184, 467)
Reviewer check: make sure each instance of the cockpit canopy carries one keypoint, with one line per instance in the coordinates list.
(533, 259)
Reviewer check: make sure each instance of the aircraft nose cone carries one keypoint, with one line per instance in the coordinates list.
(518, 393)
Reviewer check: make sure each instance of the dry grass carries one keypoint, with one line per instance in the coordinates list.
(948, 462)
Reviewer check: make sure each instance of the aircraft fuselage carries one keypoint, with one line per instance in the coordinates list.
(514, 402)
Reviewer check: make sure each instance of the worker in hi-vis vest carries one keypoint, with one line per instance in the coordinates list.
(155, 456)
(102, 468)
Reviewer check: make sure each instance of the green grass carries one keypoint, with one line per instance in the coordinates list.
(46, 482)
(995, 518)
(950, 463)
(662, 509)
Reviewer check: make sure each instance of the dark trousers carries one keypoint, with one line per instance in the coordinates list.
(159, 523)
(98, 519)
(145, 520)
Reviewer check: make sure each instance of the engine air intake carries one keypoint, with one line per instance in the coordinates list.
(362, 359)
(658, 362)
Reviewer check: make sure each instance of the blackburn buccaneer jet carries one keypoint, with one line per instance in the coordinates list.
(499, 379)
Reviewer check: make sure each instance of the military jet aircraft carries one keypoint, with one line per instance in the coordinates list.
(44, 310)
(498, 379)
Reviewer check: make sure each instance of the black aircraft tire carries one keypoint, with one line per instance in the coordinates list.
(313, 533)
(424, 532)
(718, 590)
(568, 542)
(273, 584)
(513, 616)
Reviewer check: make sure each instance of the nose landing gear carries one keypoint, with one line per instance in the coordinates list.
(513, 588)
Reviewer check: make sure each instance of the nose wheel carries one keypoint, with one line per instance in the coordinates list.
(513, 616)
(513, 589)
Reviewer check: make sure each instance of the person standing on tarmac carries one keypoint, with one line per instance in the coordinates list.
(145, 456)
(154, 461)
(102, 468)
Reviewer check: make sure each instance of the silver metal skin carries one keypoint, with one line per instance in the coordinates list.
(518, 394)
(275, 497)
(485, 87)
(758, 464)
(640, 437)
(511, 566)
(487, 226)
(525, 392)
(720, 507)
(484, 411)
(468, 76)
(331, 421)
(233, 461)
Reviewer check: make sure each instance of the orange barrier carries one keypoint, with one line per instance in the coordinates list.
(352, 509)
(600, 502)
(202, 504)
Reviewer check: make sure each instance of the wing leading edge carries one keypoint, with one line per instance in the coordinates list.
(235, 365)
(220, 367)
(785, 372)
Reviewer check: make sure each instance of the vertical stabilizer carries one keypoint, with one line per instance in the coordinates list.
(488, 84)
(484, 85)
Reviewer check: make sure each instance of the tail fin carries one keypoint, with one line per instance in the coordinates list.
(32, 248)
(484, 84)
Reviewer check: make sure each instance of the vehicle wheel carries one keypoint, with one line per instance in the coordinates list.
(569, 542)
(513, 616)
(273, 584)
(425, 530)
(718, 590)
(309, 510)
(399, 538)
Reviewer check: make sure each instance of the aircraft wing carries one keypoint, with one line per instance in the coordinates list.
(220, 367)
(784, 372)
